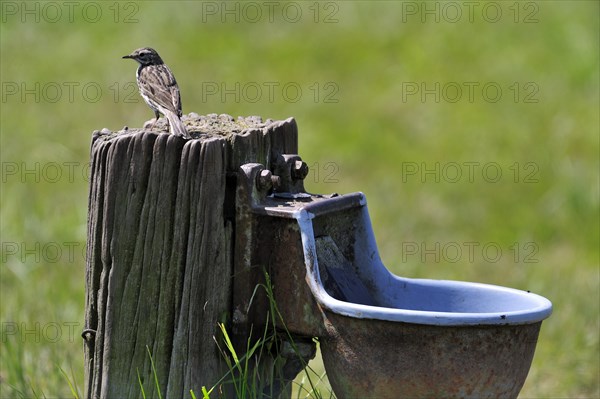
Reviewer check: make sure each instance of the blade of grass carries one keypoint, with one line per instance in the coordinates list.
(154, 373)
(228, 343)
(205, 393)
(141, 384)
(73, 389)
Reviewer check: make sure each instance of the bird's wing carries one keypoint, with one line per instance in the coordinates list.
(158, 83)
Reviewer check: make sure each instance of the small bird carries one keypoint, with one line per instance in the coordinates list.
(159, 89)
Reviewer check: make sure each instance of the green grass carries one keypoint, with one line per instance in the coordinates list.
(248, 381)
(366, 60)
(243, 378)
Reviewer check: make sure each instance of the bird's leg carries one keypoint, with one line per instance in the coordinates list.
(156, 116)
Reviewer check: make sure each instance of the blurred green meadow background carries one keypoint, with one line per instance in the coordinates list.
(472, 127)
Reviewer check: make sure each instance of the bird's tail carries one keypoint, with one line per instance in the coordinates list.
(176, 126)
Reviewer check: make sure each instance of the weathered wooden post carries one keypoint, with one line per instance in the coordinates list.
(160, 251)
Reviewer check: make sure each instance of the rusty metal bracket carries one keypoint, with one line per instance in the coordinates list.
(272, 244)
(258, 189)
(267, 238)
(286, 180)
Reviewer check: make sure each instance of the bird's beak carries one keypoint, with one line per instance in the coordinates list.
(128, 56)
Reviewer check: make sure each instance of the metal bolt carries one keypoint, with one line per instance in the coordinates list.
(276, 180)
(264, 180)
(299, 170)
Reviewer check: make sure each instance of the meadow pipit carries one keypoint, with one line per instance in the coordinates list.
(159, 89)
